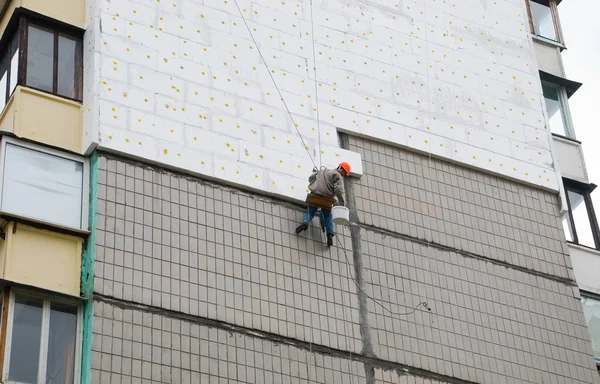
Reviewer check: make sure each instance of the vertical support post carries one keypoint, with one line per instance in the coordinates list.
(87, 276)
(355, 235)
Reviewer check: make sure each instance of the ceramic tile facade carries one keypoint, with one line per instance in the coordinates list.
(205, 252)
(463, 209)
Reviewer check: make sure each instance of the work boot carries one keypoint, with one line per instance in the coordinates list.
(330, 239)
(301, 227)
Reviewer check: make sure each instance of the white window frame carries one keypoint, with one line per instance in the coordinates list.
(563, 100)
(47, 301)
(80, 159)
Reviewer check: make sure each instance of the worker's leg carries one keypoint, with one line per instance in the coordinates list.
(308, 216)
(310, 213)
(329, 226)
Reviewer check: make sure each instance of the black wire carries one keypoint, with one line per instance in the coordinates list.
(423, 303)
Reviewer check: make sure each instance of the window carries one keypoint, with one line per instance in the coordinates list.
(9, 65)
(580, 223)
(51, 61)
(543, 17)
(591, 311)
(558, 110)
(41, 340)
(41, 184)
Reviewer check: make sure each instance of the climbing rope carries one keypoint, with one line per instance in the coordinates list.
(312, 25)
(347, 260)
(275, 83)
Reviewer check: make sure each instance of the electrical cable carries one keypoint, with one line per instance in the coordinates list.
(345, 324)
(275, 83)
(423, 303)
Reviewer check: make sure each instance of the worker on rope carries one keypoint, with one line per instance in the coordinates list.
(327, 183)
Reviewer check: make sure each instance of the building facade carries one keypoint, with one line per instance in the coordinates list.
(580, 222)
(154, 163)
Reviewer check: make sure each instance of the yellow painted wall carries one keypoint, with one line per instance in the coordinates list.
(41, 258)
(43, 118)
(68, 11)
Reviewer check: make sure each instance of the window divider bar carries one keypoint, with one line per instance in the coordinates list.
(44, 342)
(79, 69)
(530, 17)
(593, 219)
(566, 112)
(556, 21)
(23, 36)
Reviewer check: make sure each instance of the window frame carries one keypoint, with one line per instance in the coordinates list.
(563, 100)
(57, 30)
(19, 27)
(47, 302)
(50, 151)
(583, 190)
(553, 5)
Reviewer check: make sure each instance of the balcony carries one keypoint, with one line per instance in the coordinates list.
(41, 258)
(43, 118)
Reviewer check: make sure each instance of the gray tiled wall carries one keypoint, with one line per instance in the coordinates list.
(202, 250)
(393, 377)
(179, 244)
(408, 193)
(131, 346)
(488, 323)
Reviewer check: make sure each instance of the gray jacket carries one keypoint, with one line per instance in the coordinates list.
(327, 183)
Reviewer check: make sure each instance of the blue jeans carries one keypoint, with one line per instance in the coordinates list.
(308, 216)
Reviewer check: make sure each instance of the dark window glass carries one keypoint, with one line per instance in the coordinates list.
(591, 310)
(61, 344)
(26, 336)
(543, 20)
(3, 80)
(581, 219)
(555, 110)
(40, 58)
(67, 50)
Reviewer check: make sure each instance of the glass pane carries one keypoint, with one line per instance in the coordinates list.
(582, 220)
(3, 80)
(25, 344)
(61, 344)
(67, 48)
(554, 110)
(40, 58)
(14, 63)
(542, 18)
(591, 310)
(42, 186)
(566, 221)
